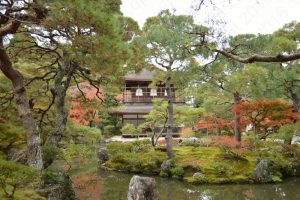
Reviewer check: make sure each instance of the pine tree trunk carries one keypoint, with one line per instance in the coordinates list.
(237, 130)
(32, 134)
(170, 122)
(62, 83)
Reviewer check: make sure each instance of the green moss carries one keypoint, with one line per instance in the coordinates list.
(210, 161)
(136, 157)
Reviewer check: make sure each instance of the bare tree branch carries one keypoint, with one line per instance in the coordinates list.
(260, 58)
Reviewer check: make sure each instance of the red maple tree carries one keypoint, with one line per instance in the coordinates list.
(213, 122)
(84, 103)
(263, 114)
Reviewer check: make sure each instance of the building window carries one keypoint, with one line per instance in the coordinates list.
(153, 92)
(166, 94)
(139, 92)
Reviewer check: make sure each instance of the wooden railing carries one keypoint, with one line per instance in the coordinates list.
(145, 95)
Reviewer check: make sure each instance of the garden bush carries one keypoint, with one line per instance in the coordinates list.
(109, 130)
(14, 176)
(177, 172)
(130, 129)
(81, 134)
(222, 168)
(134, 147)
(286, 132)
(291, 151)
(138, 157)
(52, 177)
(50, 153)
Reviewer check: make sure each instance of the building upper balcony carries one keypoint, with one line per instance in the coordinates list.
(146, 94)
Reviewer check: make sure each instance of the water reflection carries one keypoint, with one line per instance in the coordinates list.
(115, 187)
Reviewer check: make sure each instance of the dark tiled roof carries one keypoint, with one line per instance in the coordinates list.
(143, 75)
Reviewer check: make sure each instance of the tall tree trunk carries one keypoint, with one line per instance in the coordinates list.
(62, 83)
(170, 121)
(237, 131)
(32, 133)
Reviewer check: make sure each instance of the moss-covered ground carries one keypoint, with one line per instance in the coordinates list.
(217, 165)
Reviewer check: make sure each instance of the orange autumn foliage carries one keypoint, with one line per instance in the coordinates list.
(229, 142)
(213, 122)
(265, 113)
(83, 105)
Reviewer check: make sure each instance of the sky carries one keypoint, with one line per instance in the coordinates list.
(240, 16)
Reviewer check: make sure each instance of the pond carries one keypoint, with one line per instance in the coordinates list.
(99, 184)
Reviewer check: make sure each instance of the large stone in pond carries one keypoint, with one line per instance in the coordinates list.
(142, 188)
(102, 155)
(263, 172)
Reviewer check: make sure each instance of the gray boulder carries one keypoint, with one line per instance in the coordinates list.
(167, 165)
(296, 139)
(102, 155)
(142, 188)
(198, 176)
(190, 141)
(263, 172)
(165, 168)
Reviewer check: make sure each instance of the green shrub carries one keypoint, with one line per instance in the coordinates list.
(222, 168)
(141, 145)
(109, 130)
(11, 134)
(291, 151)
(82, 134)
(134, 147)
(276, 179)
(138, 157)
(117, 147)
(51, 177)
(50, 153)
(142, 162)
(177, 171)
(14, 176)
(232, 154)
(286, 132)
(130, 129)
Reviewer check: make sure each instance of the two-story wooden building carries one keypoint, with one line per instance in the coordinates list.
(138, 96)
